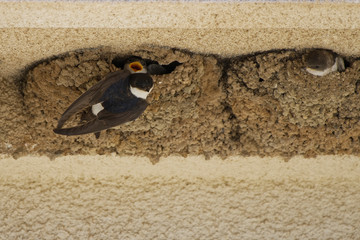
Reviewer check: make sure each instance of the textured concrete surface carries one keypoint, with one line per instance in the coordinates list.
(31, 31)
(129, 198)
(108, 197)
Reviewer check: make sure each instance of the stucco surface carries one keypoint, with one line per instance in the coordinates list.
(129, 198)
(31, 31)
(111, 197)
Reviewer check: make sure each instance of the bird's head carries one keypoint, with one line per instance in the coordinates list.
(319, 59)
(141, 85)
(135, 65)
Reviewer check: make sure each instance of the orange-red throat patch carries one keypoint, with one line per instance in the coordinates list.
(136, 66)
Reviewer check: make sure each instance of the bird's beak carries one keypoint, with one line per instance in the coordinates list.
(136, 66)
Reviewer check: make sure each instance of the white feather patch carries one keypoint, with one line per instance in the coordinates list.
(96, 108)
(324, 72)
(139, 93)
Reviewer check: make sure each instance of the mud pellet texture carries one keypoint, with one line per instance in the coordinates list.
(258, 105)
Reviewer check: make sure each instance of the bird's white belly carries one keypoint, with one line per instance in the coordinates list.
(139, 93)
(324, 72)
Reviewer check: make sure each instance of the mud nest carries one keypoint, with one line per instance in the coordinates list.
(258, 105)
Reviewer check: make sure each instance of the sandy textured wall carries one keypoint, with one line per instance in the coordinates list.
(32, 31)
(114, 198)
(129, 198)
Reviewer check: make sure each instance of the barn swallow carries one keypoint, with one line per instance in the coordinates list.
(321, 62)
(118, 98)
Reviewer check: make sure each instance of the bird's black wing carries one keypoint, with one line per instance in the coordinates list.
(105, 120)
(93, 95)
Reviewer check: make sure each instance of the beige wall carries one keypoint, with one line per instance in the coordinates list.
(129, 198)
(37, 30)
(102, 197)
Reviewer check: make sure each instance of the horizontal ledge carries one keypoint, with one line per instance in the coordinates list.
(239, 168)
(273, 29)
(189, 15)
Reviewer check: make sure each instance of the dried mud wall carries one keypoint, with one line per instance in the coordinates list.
(263, 104)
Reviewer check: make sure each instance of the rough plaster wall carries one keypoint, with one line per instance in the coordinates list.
(30, 31)
(98, 197)
(193, 198)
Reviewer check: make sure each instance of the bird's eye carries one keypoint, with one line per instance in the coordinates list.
(136, 66)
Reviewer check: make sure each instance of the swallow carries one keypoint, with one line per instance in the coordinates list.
(153, 67)
(321, 62)
(118, 98)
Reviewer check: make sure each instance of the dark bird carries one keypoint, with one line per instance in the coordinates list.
(118, 98)
(321, 62)
(153, 67)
